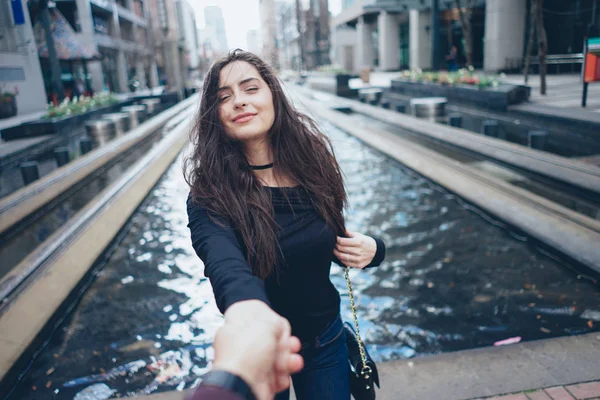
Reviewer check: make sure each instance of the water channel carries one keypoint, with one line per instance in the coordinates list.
(453, 279)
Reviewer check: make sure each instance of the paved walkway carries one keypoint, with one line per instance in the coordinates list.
(563, 91)
(19, 119)
(581, 391)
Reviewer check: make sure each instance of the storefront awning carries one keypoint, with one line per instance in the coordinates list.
(69, 44)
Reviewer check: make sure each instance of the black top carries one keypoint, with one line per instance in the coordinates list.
(302, 291)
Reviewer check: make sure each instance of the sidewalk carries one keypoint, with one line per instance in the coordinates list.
(563, 91)
(19, 119)
(588, 390)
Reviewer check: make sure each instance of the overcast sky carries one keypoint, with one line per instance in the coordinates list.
(240, 17)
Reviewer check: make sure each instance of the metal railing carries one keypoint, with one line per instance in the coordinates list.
(551, 59)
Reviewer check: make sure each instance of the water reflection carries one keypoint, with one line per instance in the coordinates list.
(451, 280)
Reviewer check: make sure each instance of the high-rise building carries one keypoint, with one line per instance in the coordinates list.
(318, 44)
(215, 24)
(288, 36)
(302, 38)
(347, 3)
(268, 14)
(253, 41)
(188, 35)
(169, 49)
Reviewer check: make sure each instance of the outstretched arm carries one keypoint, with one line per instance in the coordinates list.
(224, 261)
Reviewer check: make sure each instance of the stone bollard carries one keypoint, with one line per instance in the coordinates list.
(85, 145)
(537, 139)
(61, 154)
(429, 108)
(153, 104)
(490, 128)
(137, 115)
(30, 171)
(455, 120)
(101, 131)
(121, 121)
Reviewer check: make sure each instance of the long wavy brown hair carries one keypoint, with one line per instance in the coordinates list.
(222, 181)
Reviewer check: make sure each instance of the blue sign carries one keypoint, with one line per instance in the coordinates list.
(17, 11)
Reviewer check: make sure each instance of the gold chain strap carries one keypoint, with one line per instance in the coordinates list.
(366, 370)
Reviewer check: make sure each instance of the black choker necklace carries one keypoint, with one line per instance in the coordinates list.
(259, 167)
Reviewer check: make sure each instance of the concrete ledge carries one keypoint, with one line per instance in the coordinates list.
(566, 231)
(572, 172)
(575, 115)
(491, 98)
(70, 258)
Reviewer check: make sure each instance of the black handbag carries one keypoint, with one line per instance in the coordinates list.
(363, 371)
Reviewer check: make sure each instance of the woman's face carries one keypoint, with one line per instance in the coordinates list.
(245, 102)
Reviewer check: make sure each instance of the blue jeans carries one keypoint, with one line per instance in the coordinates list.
(325, 373)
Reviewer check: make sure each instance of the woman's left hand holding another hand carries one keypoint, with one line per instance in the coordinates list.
(355, 251)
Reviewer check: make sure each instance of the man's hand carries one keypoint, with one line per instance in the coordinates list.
(355, 251)
(255, 344)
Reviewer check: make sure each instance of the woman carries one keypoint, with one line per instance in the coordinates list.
(266, 216)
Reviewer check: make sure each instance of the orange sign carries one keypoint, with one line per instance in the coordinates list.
(592, 68)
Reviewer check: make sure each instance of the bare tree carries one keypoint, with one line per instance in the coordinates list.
(300, 35)
(536, 23)
(542, 45)
(465, 20)
(532, 23)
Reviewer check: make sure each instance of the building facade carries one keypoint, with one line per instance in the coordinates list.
(168, 48)
(140, 44)
(120, 32)
(188, 34)
(301, 32)
(268, 19)
(288, 36)
(396, 34)
(19, 61)
(317, 37)
(253, 41)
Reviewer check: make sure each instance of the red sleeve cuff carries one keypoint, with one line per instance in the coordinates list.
(213, 393)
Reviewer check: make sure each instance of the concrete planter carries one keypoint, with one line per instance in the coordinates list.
(57, 125)
(8, 108)
(497, 99)
(73, 122)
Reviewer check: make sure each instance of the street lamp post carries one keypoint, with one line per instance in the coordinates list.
(435, 33)
(55, 82)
